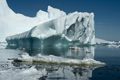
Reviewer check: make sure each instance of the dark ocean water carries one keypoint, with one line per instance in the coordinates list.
(110, 56)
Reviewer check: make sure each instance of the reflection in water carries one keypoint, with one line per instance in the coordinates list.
(48, 71)
(61, 72)
(81, 53)
(64, 72)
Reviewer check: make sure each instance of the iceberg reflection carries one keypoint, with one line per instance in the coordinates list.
(62, 71)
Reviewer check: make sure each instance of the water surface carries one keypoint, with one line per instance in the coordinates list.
(19, 71)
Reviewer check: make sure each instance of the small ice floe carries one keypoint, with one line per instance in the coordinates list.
(30, 71)
(25, 56)
(113, 46)
(110, 44)
(57, 60)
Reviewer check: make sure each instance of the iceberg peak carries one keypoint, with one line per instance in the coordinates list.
(54, 12)
(42, 15)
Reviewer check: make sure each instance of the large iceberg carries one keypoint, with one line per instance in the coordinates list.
(74, 27)
(51, 28)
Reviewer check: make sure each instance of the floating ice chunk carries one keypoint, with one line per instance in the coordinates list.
(25, 56)
(110, 44)
(113, 46)
(60, 60)
(29, 71)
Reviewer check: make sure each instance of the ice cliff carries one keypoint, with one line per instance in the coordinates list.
(53, 26)
(73, 27)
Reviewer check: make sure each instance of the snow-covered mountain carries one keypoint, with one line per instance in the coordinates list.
(12, 23)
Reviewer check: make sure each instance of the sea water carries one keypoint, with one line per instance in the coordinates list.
(10, 70)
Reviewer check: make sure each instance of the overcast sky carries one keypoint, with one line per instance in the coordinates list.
(107, 12)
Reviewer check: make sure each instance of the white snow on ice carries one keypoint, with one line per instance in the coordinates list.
(12, 23)
(75, 26)
(55, 59)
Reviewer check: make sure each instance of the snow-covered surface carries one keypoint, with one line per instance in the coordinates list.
(12, 23)
(74, 26)
(58, 60)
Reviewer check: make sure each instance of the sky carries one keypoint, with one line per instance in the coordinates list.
(107, 12)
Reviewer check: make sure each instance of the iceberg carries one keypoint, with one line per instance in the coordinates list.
(74, 27)
(48, 28)
(109, 44)
(12, 23)
(101, 41)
